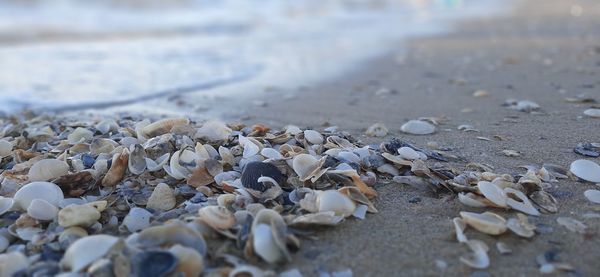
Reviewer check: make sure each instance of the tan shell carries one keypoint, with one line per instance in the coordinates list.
(189, 262)
(162, 198)
(78, 215)
(78, 256)
(47, 169)
(163, 126)
(487, 222)
(218, 218)
(117, 169)
(308, 167)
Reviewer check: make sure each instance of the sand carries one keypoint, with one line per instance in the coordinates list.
(541, 52)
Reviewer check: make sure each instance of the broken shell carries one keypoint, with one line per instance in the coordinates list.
(137, 219)
(189, 261)
(219, 218)
(358, 197)
(137, 159)
(163, 126)
(472, 200)
(102, 145)
(182, 163)
(71, 234)
(479, 258)
(586, 170)
(47, 169)
(213, 130)
(80, 135)
(487, 222)
(544, 200)
(335, 201)
(417, 127)
(117, 169)
(313, 137)
(38, 190)
(572, 224)
(493, 193)
(251, 147)
(271, 153)
(521, 226)
(320, 219)
(162, 198)
(523, 205)
(592, 195)
(158, 164)
(78, 215)
(254, 170)
(40, 209)
(78, 256)
(5, 205)
(503, 248)
(153, 263)
(377, 130)
(268, 236)
(459, 228)
(308, 167)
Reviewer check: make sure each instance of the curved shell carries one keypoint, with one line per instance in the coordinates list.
(269, 232)
(5, 205)
(250, 145)
(592, 195)
(102, 145)
(213, 130)
(5, 148)
(478, 258)
(313, 137)
(487, 222)
(38, 190)
(317, 219)
(521, 226)
(254, 170)
(472, 200)
(171, 233)
(137, 159)
(217, 217)
(182, 163)
(137, 219)
(493, 193)
(586, 170)
(117, 169)
(163, 126)
(417, 127)
(523, 205)
(335, 201)
(162, 198)
(40, 209)
(189, 262)
(80, 135)
(308, 167)
(78, 256)
(158, 164)
(47, 169)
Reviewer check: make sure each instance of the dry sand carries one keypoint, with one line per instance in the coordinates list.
(540, 52)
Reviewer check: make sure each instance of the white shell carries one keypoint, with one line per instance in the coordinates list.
(12, 262)
(38, 190)
(313, 137)
(591, 194)
(4, 243)
(40, 209)
(492, 192)
(5, 148)
(160, 162)
(47, 169)
(78, 215)
(107, 125)
(308, 167)
(264, 243)
(459, 228)
(479, 258)
(586, 170)
(137, 159)
(487, 222)
(250, 148)
(592, 112)
(213, 130)
(137, 219)
(5, 205)
(524, 205)
(80, 135)
(162, 198)
(472, 200)
(408, 153)
(521, 226)
(335, 201)
(377, 130)
(271, 153)
(79, 255)
(417, 127)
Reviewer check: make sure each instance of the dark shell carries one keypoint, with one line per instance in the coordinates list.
(254, 170)
(154, 263)
(586, 149)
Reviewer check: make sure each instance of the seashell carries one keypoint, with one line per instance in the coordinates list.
(47, 169)
(27, 233)
(544, 200)
(268, 236)
(213, 130)
(71, 234)
(335, 201)
(163, 126)
(162, 198)
(247, 271)
(503, 248)
(459, 228)
(106, 126)
(5, 148)
(317, 219)
(293, 130)
(313, 137)
(472, 200)
(78, 256)
(523, 205)
(78, 215)
(137, 219)
(158, 164)
(271, 153)
(226, 156)
(181, 164)
(153, 263)
(349, 157)
(251, 147)
(200, 177)
(408, 153)
(40, 209)
(586, 170)
(38, 190)
(12, 262)
(417, 127)
(397, 160)
(4, 243)
(487, 222)
(591, 194)
(189, 262)
(592, 113)
(308, 167)
(218, 218)
(521, 226)
(357, 196)
(172, 233)
(377, 130)
(80, 135)
(572, 224)
(117, 169)
(479, 258)
(254, 170)
(492, 193)
(5, 205)
(481, 93)
(369, 192)
(137, 159)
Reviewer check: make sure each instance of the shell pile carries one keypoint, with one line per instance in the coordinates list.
(177, 196)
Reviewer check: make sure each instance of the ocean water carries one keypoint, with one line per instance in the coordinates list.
(69, 54)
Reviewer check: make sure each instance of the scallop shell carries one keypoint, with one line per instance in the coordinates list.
(586, 170)
(78, 256)
(493, 193)
(217, 217)
(47, 169)
(137, 159)
(213, 130)
(254, 170)
(117, 169)
(479, 258)
(308, 167)
(591, 194)
(40, 209)
(162, 198)
(80, 135)
(163, 126)
(487, 222)
(5, 205)
(335, 201)
(38, 190)
(189, 262)
(523, 205)
(418, 127)
(313, 137)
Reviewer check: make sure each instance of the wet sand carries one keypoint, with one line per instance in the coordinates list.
(542, 51)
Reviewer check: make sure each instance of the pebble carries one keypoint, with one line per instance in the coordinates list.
(78, 215)
(418, 127)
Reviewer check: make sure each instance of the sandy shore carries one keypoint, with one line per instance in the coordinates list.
(543, 51)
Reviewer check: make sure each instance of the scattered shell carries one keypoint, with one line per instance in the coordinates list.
(47, 191)
(78, 215)
(154, 263)
(521, 203)
(335, 201)
(47, 169)
(417, 127)
(511, 153)
(189, 262)
(5, 205)
(5, 148)
(493, 193)
(408, 153)
(162, 198)
(592, 195)
(377, 130)
(308, 167)
(78, 256)
(117, 169)
(478, 258)
(586, 170)
(163, 126)
(313, 137)
(40, 209)
(592, 112)
(137, 219)
(219, 218)
(213, 130)
(459, 228)
(268, 236)
(254, 170)
(503, 248)
(12, 262)
(572, 224)
(137, 159)
(80, 135)
(481, 93)
(171, 233)
(487, 222)
(521, 226)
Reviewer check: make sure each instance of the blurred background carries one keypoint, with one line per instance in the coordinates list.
(67, 54)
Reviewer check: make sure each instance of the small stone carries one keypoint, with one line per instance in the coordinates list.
(414, 200)
(78, 215)
(162, 198)
(417, 127)
(408, 153)
(511, 153)
(377, 130)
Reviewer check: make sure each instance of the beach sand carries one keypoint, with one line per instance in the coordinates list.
(543, 51)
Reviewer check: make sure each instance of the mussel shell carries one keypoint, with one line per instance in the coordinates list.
(254, 170)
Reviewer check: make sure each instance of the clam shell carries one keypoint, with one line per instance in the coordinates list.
(181, 163)
(544, 200)
(137, 219)
(78, 256)
(117, 169)
(213, 130)
(217, 217)
(417, 127)
(479, 258)
(408, 153)
(523, 205)
(572, 224)
(472, 200)
(308, 167)
(102, 145)
(313, 137)
(493, 193)
(269, 233)
(487, 222)
(586, 170)
(5, 205)
(78, 215)
(162, 198)
(271, 153)
(47, 169)
(38, 190)
(40, 209)
(171, 233)
(521, 226)
(5, 148)
(189, 262)
(137, 159)
(459, 228)
(251, 146)
(254, 170)
(335, 201)
(80, 135)
(163, 126)
(592, 195)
